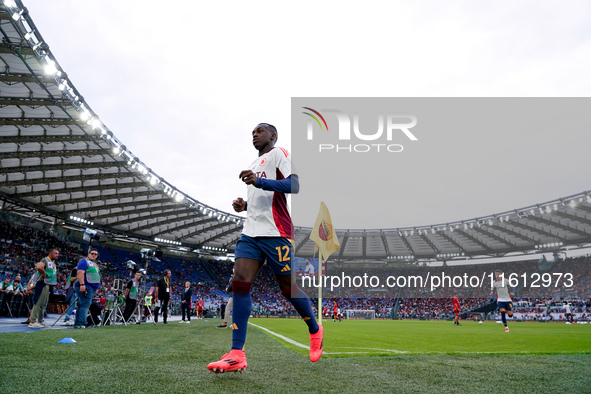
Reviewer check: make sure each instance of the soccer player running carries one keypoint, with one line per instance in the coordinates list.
(335, 312)
(267, 234)
(504, 301)
(456, 310)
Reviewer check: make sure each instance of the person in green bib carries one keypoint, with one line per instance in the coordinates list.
(89, 280)
(45, 277)
(131, 295)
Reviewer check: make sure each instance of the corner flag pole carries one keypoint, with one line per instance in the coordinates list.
(327, 242)
(319, 286)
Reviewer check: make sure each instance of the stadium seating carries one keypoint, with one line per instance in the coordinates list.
(24, 242)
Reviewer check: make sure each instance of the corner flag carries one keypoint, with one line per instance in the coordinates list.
(323, 233)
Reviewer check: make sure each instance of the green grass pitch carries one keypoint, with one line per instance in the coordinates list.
(386, 337)
(360, 356)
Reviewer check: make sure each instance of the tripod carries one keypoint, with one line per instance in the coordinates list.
(118, 313)
(112, 312)
(141, 316)
(141, 303)
(75, 299)
(143, 293)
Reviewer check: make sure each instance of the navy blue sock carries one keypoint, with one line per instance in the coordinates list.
(504, 319)
(301, 303)
(240, 313)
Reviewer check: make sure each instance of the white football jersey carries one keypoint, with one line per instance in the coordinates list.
(267, 213)
(502, 290)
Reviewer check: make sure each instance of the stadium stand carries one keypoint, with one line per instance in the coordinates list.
(24, 242)
(63, 169)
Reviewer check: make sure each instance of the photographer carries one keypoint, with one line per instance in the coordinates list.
(131, 295)
(5, 296)
(44, 278)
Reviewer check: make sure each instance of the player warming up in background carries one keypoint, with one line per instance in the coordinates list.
(504, 302)
(267, 234)
(456, 310)
(335, 312)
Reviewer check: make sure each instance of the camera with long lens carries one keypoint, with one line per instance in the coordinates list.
(132, 266)
(146, 253)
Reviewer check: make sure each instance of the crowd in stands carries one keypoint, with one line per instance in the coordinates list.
(551, 309)
(435, 308)
(23, 244)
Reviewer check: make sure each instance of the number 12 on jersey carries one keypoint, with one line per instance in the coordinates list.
(285, 255)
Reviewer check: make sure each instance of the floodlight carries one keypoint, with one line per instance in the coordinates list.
(96, 123)
(17, 15)
(50, 68)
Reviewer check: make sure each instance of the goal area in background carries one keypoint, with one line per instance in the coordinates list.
(361, 314)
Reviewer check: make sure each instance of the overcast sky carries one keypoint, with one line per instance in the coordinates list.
(183, 83)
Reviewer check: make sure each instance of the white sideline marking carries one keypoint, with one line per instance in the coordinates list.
(372, 348)
(289, 340)
(286, 339)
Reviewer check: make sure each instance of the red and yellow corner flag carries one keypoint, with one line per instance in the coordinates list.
(323, 233)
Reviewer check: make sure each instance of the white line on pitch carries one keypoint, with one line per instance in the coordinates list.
(289, 340)
(371, 348)
(286, 339)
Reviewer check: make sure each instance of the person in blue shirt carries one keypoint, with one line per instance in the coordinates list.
(89, 279)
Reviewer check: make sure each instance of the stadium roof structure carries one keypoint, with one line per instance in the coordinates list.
(60, 164)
